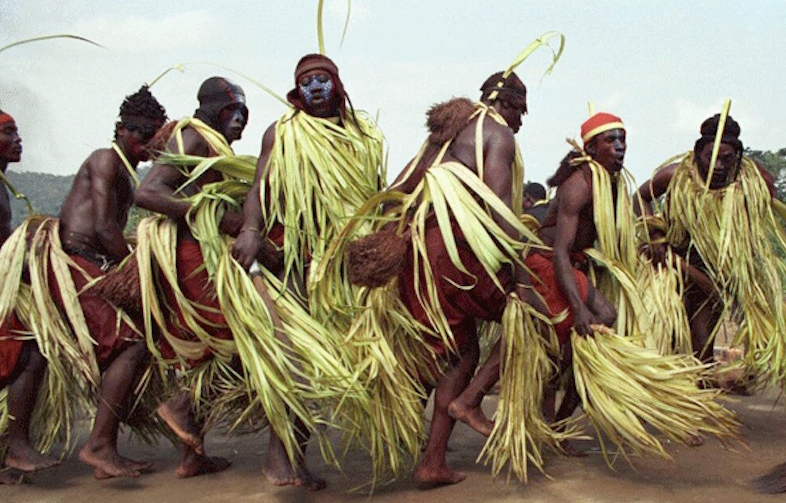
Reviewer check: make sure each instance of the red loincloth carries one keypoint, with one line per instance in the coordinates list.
(461, 306)
(112, 337)
(10, 348)
(196, 287)
(546, 283)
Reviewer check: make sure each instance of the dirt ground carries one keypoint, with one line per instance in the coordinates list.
(708, 473)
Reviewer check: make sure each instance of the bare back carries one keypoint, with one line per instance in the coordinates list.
(499, 150)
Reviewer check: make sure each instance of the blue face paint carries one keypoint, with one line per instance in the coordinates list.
(317, 83)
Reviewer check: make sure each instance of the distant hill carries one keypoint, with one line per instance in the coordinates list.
(46, 193)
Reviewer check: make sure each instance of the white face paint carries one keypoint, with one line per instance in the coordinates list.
(316, 86)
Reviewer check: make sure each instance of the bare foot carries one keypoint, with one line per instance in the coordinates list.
(309, 481)
(572, 451)
(472, 416)
(283, 474)
(107, 463)
(23, 457)
(176, 413)
(201, 465)
(11, 476)
(430, 478)
(100, 474)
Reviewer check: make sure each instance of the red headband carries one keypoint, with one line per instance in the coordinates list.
(599, 123)
(5, 118)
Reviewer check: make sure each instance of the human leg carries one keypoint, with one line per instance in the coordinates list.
(703, 316)
(280, 471)
(22, 394)
(178, 414)
(432, 470)
(117, 382)
(467, 406)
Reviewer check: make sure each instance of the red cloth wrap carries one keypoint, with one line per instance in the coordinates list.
(196, 287)
(276, 234)
(461, 307)
(10, 348)
(100, 316)
(546, 284)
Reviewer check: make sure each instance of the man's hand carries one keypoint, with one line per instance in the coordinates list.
(231, 223)
(583, 318)
(247, 247)
(655, 252)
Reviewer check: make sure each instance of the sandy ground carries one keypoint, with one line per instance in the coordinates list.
(704, 474)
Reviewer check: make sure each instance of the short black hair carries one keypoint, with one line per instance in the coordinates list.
(142, 104)
(535, 190)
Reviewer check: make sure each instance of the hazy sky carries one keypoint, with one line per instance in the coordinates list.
(662, 65)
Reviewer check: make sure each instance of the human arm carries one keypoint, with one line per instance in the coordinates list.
(5, 215)
(250, 240)
(106, 175)
(768, 177)
(573, 195)
(157, 192)
(650, 191)
(499, 152)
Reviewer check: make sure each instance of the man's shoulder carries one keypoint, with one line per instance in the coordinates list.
(102, 160)
(578, 183)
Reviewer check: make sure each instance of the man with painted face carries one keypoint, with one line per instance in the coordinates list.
(559, 275)
(703, 205)
(90, 232)
(21, 364)
(303, 193)
(220, 120)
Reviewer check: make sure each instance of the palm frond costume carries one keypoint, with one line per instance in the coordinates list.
(203, 312)
(735, 235)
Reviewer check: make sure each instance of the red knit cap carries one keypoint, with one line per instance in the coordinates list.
(5, 118)
(599, 123)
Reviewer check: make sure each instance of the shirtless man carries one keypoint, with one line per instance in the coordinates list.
(504, 99)
(10, 151)
(92, 219)
(568, 228)
(21, 364)
(222, 108)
